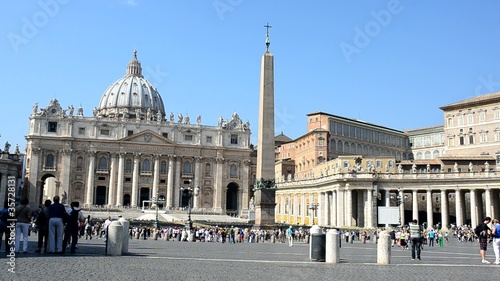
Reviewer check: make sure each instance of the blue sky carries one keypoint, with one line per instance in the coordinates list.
(392, 63)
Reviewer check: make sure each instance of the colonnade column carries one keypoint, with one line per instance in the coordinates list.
(112, 179)
(217, 203)
(135, 181)
(119, 185)
(473, 208)
(401, 208)
(458, 208)
(369, 210)
(156, 176)
(487, 202)
(340, 207)
(430, 221)
(170, 182)
(89, 198)
(387, 201)
(326, 210)
(348, 207)
(414, 205)
(444, 209)
(333, 209)
(321, 202)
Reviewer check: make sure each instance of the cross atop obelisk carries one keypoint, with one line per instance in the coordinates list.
(268, 42)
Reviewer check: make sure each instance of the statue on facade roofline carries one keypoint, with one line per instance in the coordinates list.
(7, 147)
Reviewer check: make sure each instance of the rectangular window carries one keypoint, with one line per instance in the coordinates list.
(130, 132)
(470, 119)
(497, 135)
(471, 139)
(52, 127)
(462, 141)
(105, 132)
(450, 121)
(234, 139)
(482, 116)
(81, 131)
(460, 120)
(188, 137)
(379, 164)
(497, 114)
(484, 137)
(209, 139)
(128, 179)
(346, 164)
(165, 135)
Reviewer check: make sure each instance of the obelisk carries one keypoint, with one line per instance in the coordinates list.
(265, 189)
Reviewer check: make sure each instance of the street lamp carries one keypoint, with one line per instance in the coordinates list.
(189, 192)
(399, 202)
(156, 200)
(313, 207)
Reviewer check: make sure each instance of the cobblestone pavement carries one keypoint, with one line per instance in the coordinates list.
(173, 260)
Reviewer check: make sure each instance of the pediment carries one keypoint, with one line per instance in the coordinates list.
(147, 137)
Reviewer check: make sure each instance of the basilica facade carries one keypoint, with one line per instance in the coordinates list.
(128, 151)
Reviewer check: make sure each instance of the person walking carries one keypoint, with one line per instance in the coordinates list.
(496, 240)
(4, 223)
(289, 236)
(71, 230)
(56, 226)
(432, 236)
(415, 235)
(483, 233)
(23, 216)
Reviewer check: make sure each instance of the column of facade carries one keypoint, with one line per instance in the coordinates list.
(177, 183)
(459, 208)
(119, 185)
(473, 208)
(217, 204)
(3, 185)
(327, 209)
(348, 206)
(340, 207)
(414, 206)
(156, 176)
(35, 191)
(245, 181)
(295, 198)
(303, 206)
(487, 202)
(111, 184)
(430, 221)
(196, 183)
(333, 208)
(369, 209)
(444, 209)
(170, 182)
(135, 181)
(89, 198)
(66, 172)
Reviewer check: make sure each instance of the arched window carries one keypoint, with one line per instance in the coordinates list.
(233, 171)
(146, 165)
(49, 161)
(427, 155)
(208, 170)
(103, 163)
(163, 167)
(419, 155)
(79, 163)
(186, 169)
(128, 166)
(436, 154)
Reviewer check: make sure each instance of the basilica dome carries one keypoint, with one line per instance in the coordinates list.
(131, 96)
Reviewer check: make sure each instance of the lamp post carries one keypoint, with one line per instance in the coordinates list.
(189, 192)
(313, 207)
(156, 200)
(399, 201)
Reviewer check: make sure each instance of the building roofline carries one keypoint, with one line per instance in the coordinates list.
(356, 121)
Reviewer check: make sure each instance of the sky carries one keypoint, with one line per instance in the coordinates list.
(391, 63)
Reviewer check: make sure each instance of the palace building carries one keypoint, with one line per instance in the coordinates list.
(340, 171)
(129, 151)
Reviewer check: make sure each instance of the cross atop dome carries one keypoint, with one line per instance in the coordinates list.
(134, 66)
(268, 42)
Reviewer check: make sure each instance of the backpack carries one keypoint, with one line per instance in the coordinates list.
(41, 219)
(478, 230)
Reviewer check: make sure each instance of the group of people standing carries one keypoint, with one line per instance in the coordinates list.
(57, 226)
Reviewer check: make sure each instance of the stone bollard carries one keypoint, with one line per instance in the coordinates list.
(115, 239)
(332, 246)
(155, 235)
(315, 246)
(126, 225)
(384, 248)
(165, 236)
(351, 238)
(273, 238)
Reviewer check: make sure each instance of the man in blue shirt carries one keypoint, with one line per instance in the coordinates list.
(432, 235)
